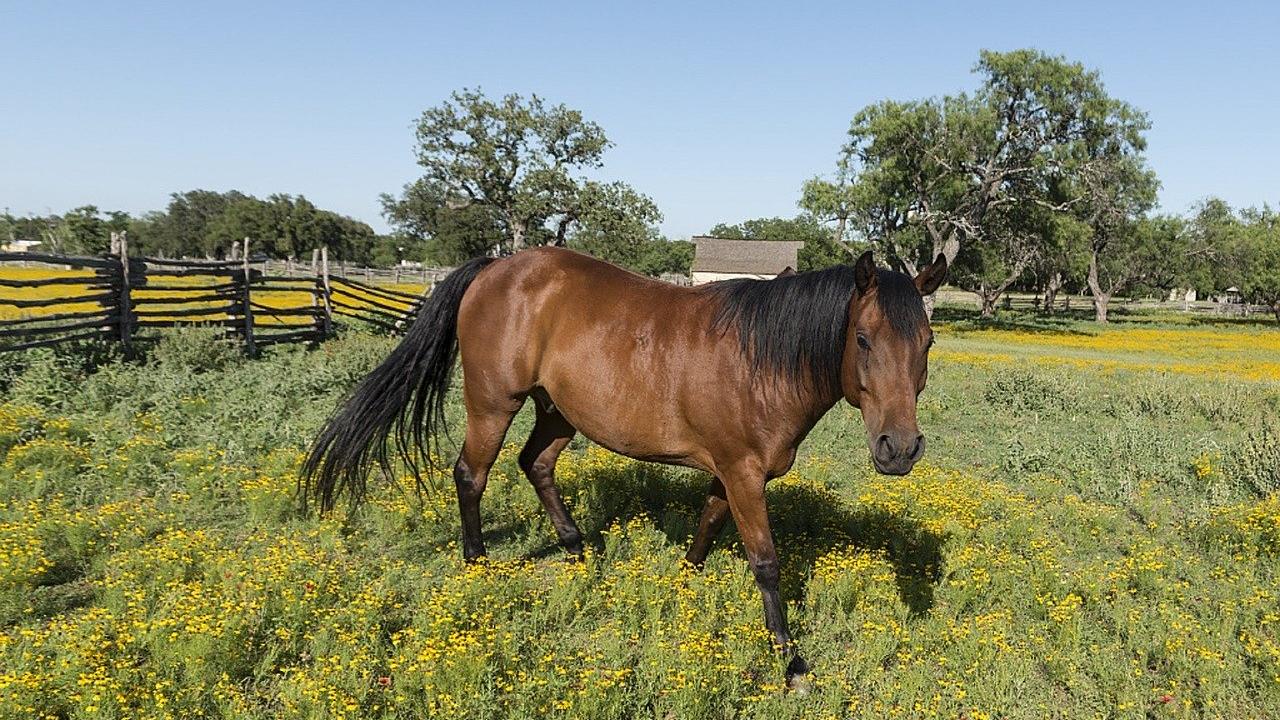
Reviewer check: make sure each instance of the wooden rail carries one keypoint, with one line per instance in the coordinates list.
(1066, 302)
(259, 303)
(397, 275)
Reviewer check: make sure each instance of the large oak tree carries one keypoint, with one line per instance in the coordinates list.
(940, 175)
(518, 165)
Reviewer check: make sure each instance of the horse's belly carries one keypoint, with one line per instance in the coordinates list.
(638, 423)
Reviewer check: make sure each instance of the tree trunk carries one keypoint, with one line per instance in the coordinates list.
(950, 247)
(987, 301)
(1100, 298)
(1051, 288)
(562, 230)
(517, 236)
(989, 295)
(1100, 301)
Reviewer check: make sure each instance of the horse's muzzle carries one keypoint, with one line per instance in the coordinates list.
(896, 455)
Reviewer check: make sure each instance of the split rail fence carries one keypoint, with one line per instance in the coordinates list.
(68, 298)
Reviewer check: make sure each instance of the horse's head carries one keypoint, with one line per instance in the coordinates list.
(886, 358)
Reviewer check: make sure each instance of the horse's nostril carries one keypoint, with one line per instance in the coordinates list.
(918, 448)
(884, 447)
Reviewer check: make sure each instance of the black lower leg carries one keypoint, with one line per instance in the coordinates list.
(767, 579)
(566, 528)
(551, 435)
(469, 492)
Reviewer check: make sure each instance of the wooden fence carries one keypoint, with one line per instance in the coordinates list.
(1067, 302)
(114, 296)
(397, 275)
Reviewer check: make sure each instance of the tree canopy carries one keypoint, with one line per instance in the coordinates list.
(981, 177)
(1238, 250)
(501, 175)
(204, 223)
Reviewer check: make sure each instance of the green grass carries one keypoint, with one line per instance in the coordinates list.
(1089, 537)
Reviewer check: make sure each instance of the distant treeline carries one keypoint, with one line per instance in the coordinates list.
(204, 223)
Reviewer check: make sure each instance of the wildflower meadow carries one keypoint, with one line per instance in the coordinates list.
(1095, 533)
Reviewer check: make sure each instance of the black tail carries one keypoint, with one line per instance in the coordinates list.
(404, 394)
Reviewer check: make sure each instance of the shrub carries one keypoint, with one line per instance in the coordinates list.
(1150, 397)
(47, 379)
(1035, 391)
(18, 423)
(1255, 464)
(194, 349)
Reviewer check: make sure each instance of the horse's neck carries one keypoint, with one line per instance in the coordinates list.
(797, 413)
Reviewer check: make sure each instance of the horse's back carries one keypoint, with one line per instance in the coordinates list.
(558, 285)
(557, 268)
(606, 344)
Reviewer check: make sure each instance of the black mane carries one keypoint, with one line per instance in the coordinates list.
(900, 302)
(796, 325)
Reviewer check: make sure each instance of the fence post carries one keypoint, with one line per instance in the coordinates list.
(249, 345)
(315, 261)
(326, 290)
(125, 306)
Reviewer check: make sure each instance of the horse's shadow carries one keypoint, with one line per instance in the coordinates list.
(809, 520)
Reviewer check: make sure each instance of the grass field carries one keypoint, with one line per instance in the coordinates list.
(1095, 532)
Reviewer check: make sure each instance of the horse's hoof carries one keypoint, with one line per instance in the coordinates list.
(798, 680)
(799, 685)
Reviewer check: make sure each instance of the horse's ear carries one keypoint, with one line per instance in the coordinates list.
(788, 270)
(864, 272)
(930, 278)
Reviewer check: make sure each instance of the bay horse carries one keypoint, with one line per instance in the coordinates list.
(727, 378)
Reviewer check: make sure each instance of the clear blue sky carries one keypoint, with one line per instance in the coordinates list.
(718, 112)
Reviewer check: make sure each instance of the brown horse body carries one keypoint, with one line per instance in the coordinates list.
(631, 363)
(726, 378)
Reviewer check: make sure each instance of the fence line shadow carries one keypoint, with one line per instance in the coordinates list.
(1059, 323)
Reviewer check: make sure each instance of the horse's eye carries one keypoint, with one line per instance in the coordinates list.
(862, 342)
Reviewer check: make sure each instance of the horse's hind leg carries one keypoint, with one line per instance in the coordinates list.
(715, 512)
(551, 435)
(485, 431)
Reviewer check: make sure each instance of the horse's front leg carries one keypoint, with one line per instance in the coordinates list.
(745, 492)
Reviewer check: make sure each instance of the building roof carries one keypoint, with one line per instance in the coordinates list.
(753, 257)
